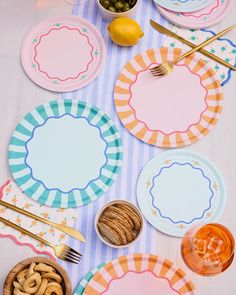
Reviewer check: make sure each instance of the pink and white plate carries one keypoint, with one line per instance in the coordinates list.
(171, 111)
(63, 53)
(204, 18)
(139, 274)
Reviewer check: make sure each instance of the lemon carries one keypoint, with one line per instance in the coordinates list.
(125, 31)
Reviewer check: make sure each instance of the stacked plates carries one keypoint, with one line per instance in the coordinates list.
(193, 14)
(138, 273)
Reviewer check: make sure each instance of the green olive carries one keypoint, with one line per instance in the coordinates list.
(106, 3)
(112, 9)
(113, 1)
(119, 5)
(132, 2)
(126, 9)
(126, 5)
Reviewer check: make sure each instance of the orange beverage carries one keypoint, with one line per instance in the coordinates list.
(208, 249)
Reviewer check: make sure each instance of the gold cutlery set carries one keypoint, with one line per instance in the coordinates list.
(167, 67)
(61, 251)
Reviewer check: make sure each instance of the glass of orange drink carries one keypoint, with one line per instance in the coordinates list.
(208, 249)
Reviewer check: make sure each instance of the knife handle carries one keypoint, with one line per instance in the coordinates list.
(207, 54)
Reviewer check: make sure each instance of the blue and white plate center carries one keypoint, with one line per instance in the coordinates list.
(66, 153)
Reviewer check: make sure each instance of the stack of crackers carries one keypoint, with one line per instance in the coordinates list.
(119, 224)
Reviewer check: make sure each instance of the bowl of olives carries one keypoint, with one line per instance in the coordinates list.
(111, 9)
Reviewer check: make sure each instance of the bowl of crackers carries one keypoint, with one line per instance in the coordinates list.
(119, 224)
(37, 276)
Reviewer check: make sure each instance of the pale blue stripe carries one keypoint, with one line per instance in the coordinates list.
(100, 93)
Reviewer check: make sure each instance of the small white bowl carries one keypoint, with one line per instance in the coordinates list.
(109, 15)
(100, 212)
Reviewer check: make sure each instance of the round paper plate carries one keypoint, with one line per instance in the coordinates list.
(178, 189)
(204, 18)
(171, 111)
(65, 154)
(139, 274)
(183, 5)
(63, 53)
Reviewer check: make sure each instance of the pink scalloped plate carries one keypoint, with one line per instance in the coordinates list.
(172, 111)
(63, 53)
(204, 18)
(139, 274)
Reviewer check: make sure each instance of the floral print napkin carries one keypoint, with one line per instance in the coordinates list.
(10, 193)
(222, 47)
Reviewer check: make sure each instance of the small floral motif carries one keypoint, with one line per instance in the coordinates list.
(14, 200)
(41, 234)
(26, 206)
(154, 212)
(2, 210)
(148, 184)
(57, 25)
(33, 223)
(62, 236)
(52, 230)
(223, 48)
(18, 220)
(8, 189)
(61, 210)
(35, 40)
(166, 162)
(209, 214)
(215, 186)
(41, 245)
(181, 226)
(64, 222)
(45, 215)
(196, 163)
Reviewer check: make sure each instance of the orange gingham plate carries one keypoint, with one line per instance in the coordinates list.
(195, 68)
(115, 271)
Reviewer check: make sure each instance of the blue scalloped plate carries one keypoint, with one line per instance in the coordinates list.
(65, 154)
(183, 5)
(178, 189)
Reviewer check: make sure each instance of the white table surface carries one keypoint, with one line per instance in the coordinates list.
(18, 95)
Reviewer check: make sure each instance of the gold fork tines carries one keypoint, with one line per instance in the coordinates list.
(167, 67)
(61, 251)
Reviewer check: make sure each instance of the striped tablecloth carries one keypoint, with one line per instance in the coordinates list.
(136, 153)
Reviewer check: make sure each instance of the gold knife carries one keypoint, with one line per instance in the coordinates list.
(169, 33)
(66, 229)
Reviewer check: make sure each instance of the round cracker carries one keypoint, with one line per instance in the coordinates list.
(109, 234)
(113, 215)
(116, 228)
(122, 214)
(132, 214)
(128, 232)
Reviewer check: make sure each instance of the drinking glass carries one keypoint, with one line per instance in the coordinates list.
(208, 249)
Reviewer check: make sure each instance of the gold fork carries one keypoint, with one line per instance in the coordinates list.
(167, 67)
(64, 228)
(61, 251)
